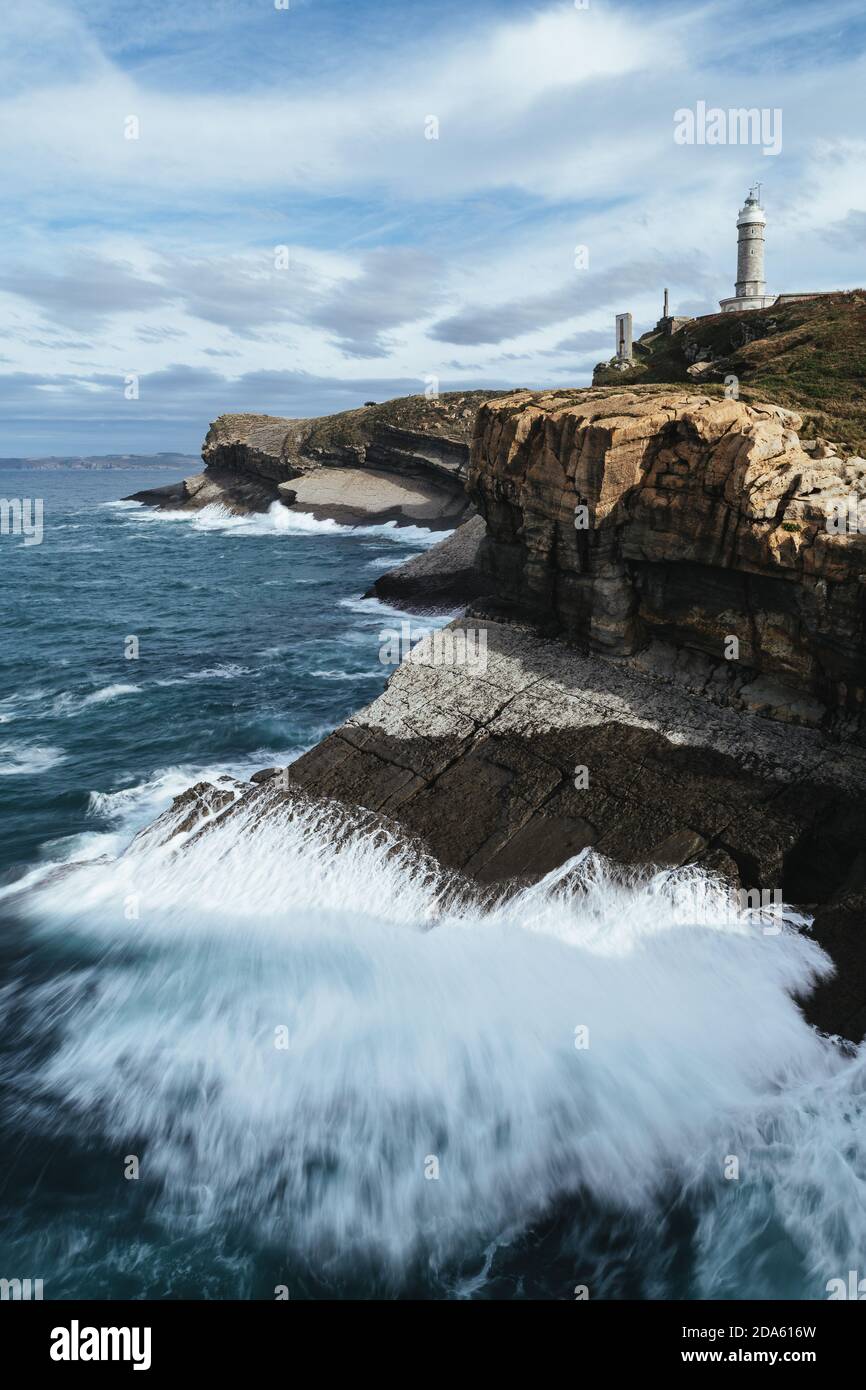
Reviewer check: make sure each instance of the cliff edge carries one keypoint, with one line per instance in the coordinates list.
(681, 531)
(808, 355)
(403, 460)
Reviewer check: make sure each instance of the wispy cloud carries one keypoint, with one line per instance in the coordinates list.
(307, 128)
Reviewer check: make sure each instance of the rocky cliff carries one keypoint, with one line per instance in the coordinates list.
(809, 356)
(403, 460)
(588, 703)
(684, 532)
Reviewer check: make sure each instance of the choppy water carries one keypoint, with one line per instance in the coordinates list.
(330, 1079)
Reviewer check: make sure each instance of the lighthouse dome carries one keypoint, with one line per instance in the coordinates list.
(751, 211)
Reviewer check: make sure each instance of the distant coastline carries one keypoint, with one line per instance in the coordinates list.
(103, 461)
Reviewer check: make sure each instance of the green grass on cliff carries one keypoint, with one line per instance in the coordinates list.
(810, 357)
(451, 415)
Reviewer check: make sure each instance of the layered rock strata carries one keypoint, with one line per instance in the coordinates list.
(651, 520)
(403, 460)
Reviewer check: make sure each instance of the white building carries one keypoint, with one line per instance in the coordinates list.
(751, 287)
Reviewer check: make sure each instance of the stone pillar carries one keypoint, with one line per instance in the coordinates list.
(666, 314)
(623, 337)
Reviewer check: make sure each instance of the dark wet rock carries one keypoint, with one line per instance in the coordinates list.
(485, 766)
(509, 771)
(170, 494)
(440, 579)
(196, 806)
(240, 494)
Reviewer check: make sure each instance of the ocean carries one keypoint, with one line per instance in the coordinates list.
(262, 1068)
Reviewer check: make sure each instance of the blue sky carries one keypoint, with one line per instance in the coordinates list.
(407, 258)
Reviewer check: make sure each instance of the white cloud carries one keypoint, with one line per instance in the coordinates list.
(480, 89)
(555, 128)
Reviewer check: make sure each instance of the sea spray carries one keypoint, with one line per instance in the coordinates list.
(233, 623)
(277, 520)
(311, 1040)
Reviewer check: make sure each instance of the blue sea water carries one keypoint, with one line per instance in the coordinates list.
(252, 642)
(432, 1127)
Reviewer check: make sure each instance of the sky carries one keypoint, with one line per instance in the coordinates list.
(294, 206)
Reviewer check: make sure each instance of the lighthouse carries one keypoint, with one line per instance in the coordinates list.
(751, 287)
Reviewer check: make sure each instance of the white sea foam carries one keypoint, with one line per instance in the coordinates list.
(134, 807)
(280, 520)
(338, 675)
(386, 562)
(23, 697)
(23, 759)
(127, 810)
(292, 522)
(378, 608)
(227, 671)
(417, 1032)
(68, 704)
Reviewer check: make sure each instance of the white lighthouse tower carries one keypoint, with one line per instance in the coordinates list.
(751, 286)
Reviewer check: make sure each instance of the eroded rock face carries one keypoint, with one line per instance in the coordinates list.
(404, 460)
(440, 579)
(237, 492)
(199, 805)
(703, 520)
(412, 431)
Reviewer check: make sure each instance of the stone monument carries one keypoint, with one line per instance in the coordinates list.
(623, 339)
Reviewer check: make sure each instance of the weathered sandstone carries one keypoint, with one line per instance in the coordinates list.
(404, 460)
(703, 520)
